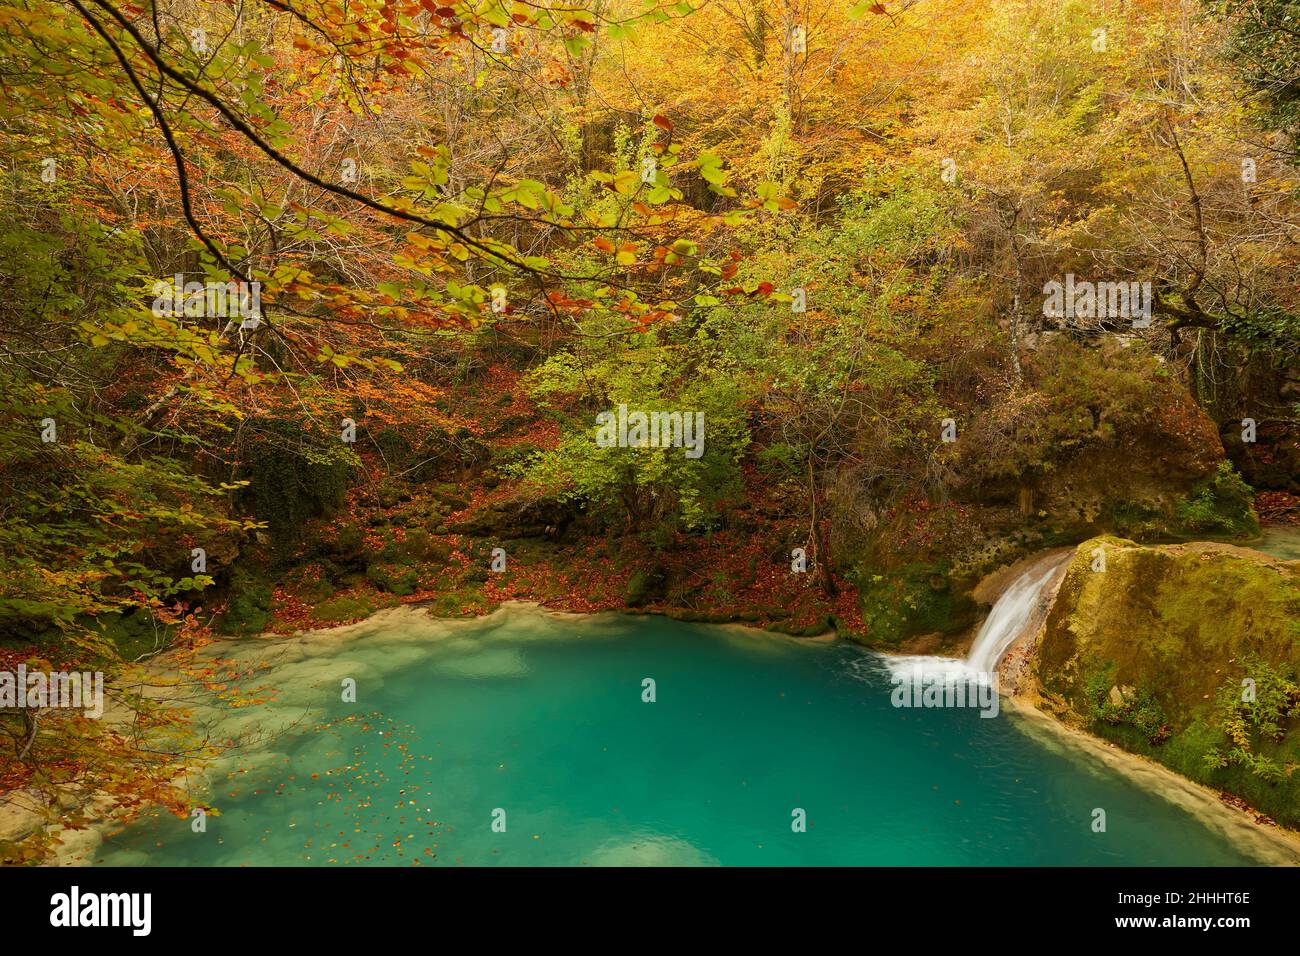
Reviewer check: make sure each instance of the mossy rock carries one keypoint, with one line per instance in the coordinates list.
(315, 592)
(451, 497)
(249, 608)
(133, 633)
(346, 546)
(816, 628)
(346, 608)
(646, 586)
(519, 518)
(392, 493)
(463, 602)
(1139, 520)
(912, 600)
(24, 621)
(423, 547)
(394, 579)
(1144, 652)
(295, 475)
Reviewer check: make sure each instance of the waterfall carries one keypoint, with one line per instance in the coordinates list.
(1010, 615)
(1013, 611)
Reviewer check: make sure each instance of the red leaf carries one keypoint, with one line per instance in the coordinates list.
(663, 122)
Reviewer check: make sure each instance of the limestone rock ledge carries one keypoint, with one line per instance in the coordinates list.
(1186, 653)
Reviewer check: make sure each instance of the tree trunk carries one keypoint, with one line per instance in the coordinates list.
(821, 550)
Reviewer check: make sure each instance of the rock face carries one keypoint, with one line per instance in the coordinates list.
(22, 813)
(1188, 654)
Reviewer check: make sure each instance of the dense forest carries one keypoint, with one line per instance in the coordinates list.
(314, 307)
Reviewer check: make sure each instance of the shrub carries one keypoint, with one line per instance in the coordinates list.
(1223, 505)
(1138, 709)
(1248, 722)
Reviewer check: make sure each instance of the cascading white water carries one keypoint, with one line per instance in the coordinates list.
(1010, 615)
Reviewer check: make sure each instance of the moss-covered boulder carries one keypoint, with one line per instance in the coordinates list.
(1188, 654)
(346, 608)
(395, 579)
(646, 586)
(295, 474)
(248, 610)
(912, 600)
(520, 518)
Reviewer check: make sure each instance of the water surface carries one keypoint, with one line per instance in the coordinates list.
(1281, 541)
(543, 717)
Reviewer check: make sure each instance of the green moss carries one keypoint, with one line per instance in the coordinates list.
(820, 625)
(248, 609)
(914, 599)
(295, 475)
(646, 586)
(1135, 519)
(394, 579)
(317, 591)
(464, 602)
(134, 633)
(347, 546)
(392, 493)
(421, 546)
(1175, 630)
(346, 608)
